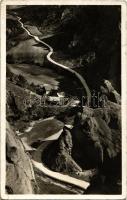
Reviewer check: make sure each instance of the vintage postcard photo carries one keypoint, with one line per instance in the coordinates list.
(63, 99)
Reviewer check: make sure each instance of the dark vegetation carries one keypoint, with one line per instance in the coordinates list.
(91, 33)
(89, 37)
(94, 145)
(12, 31)
(20, 81)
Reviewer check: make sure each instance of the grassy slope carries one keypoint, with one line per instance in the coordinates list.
(43, 129)
(36, 74)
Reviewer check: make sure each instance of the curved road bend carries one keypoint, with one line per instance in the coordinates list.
(82, 80)
(38, 164)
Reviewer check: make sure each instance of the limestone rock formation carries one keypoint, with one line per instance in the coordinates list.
(58, 155)
(97, 141)
(109, 90)
(19, 171)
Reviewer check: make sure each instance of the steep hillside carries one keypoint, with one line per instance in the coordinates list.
(87, 39)
(88, 34)
(19, 175)
(92, 149)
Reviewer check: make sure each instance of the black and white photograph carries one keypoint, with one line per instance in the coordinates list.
(64, 80)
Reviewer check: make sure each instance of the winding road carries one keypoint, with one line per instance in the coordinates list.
(81, 79)
(37, 162)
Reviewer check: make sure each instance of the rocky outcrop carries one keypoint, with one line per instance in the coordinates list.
(58, 155)
(97, 141)
(110, 92)
(19, 171)
(92, 149)
(92, 36)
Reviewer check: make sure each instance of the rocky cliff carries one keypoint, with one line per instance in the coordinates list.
(92, 149)
(87, 38)
(58, 155)
(19, 171)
